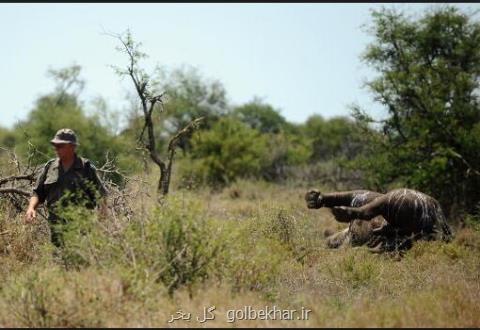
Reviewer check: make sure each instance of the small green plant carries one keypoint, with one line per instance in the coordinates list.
(356, 270)
(189, 244)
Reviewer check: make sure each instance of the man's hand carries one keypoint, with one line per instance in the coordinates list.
(30, 215)
(314, 199)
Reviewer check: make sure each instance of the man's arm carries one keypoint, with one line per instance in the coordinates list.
(38, 195)
(31, 214)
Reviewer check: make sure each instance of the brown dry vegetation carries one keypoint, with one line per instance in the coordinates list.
(253, 244)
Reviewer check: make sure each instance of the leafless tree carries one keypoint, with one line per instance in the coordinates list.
(151, 101)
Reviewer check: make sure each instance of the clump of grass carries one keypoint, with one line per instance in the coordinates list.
(24, 243)
(469, 238)
(42, 299)
(356, 269)
(189, 244)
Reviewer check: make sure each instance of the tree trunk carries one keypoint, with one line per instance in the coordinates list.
(164, 181)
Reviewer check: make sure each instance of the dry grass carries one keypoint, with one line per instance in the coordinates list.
(265, 248)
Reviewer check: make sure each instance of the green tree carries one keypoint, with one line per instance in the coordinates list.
(284, 151)
(226, 152)
(189, 96)
(337, 137)
(62, 108)
(261, 116)
(286, 147)
(428, 80)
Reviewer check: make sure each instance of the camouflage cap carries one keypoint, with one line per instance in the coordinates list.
(65, 135)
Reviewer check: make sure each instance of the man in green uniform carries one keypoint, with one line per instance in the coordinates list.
(65, 180)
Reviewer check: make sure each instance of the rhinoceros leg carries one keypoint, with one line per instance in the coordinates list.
(348, 198)
(336, 240)
(365, 212)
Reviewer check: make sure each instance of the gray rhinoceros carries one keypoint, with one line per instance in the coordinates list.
(384, 221)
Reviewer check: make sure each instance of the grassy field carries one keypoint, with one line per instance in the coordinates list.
(253, 246)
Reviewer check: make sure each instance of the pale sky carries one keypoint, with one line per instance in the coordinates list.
(303, 59)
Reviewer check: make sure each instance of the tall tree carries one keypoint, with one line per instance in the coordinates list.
(337, 137)
(428, 80)
(226, 152)
(190, 96)
(261, 116)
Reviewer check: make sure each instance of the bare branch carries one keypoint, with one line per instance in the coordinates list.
(14, 159)
(15, 191)
(30, 177)
(187, 130)
(470, 169)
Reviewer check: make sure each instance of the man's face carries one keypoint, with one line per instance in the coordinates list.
(64, 150)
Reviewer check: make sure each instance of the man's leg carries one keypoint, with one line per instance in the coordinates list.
(56, 232)
(57, 237)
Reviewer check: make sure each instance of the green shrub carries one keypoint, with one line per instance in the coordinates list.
(228, 151)
(189, 244)
(176, 245)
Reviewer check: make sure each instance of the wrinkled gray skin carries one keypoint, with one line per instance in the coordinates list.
(386, 221)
